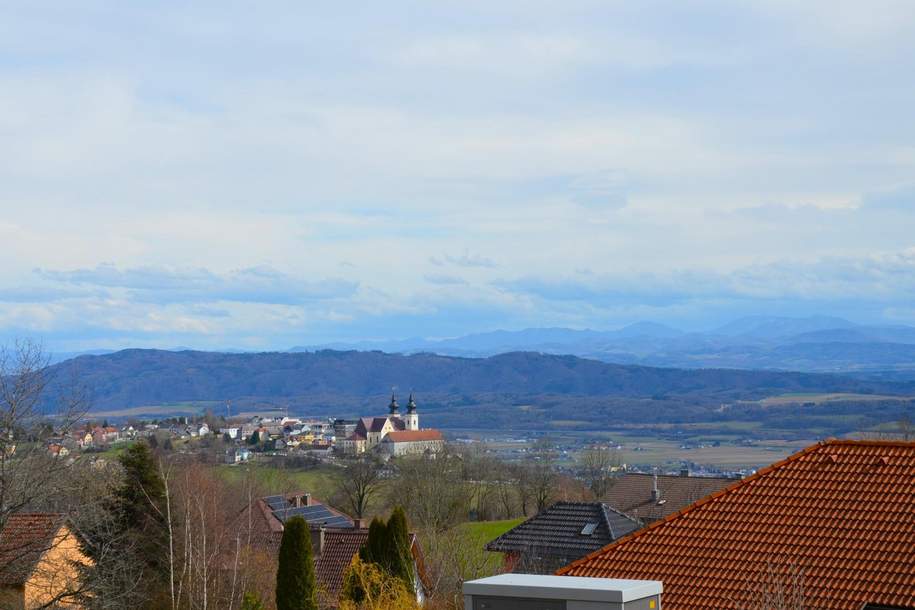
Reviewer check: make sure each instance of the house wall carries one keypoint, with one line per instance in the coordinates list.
(12, 598)
(55, 572)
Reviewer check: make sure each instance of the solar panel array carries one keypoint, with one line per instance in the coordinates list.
(317, 514)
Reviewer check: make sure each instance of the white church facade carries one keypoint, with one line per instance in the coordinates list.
(393, 434)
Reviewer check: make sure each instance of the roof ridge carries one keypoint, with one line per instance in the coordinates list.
(869, 442)
(714, 496)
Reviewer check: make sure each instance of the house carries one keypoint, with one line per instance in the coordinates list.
(83, 438)
(39, 558)
(57, 450)
(560, 534)
(237, 455)
(649, 497)
(203, 430)
(270, 513)
(104, 435)
(231, 432)
(833, 524)
(335, 550)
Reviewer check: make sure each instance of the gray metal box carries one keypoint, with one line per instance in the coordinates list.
(538, 592)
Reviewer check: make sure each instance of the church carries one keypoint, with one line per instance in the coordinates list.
(393, 434)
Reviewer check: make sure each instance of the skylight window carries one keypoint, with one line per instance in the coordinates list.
(588, 529)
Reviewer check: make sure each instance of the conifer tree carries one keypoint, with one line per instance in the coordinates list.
(139, 507)
(399, 558)
(295, 576)
(375, 548)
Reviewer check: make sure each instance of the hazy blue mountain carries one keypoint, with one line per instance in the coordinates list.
(151, 377)
(819, 343)
(775, 327)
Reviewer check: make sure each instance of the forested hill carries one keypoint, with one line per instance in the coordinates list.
(152, 377)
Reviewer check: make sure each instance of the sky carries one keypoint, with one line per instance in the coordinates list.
(262, 175)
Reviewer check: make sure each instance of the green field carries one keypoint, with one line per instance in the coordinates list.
(320, 482)
(478, 533)
(489, 529)
(820, 398)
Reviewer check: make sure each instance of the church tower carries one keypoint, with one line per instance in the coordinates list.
(412, 415)
(393, 407)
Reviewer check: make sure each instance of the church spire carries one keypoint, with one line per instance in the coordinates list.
(393, 406)
(411, 405)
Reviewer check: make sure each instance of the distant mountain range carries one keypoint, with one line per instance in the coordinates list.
(813, 344)
(131, 378)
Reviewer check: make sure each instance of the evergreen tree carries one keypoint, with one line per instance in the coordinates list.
(375, 548)
(388, 547)
(295, 576)
(130, 542)
(399, 557)
(140, 505)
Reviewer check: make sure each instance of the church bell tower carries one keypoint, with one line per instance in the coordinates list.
(412, 415)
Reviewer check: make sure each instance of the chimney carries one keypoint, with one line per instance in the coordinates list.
(358, 524)
(655, 492)
(317, 541)
(684, 472)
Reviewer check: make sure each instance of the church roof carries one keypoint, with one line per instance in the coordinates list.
(376, 424)
(407, 436)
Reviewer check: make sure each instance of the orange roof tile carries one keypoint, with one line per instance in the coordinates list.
(340, 546)
(24, 539)
(404, 436)
(842, 513)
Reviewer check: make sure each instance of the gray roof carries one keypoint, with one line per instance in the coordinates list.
(558, 530)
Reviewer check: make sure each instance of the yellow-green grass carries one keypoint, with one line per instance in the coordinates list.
(321, 482)
(478, 533)
(819, 398)
(489, 529)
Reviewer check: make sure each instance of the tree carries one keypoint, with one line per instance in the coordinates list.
(432, 491)
(252, 601)
(126, 535)
(360, 483)
(388, 547)
(399, 556)
(139, 508)
(537, 478)
(296, 588)
(594, 464)
(366, 587)
(29, 476)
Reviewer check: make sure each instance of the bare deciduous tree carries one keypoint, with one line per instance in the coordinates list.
(360, 484)
(432, 491)
(594, 464)
(31, 477)
(537, 477)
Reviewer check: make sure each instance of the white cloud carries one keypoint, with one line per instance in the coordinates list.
(374, 158)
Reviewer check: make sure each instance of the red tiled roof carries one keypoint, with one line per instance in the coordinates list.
(24, 539)
(404, 436)
(842, 513)
(630, 493)
(340, 546)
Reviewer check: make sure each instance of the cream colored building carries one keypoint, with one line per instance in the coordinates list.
(39, 555)
(372, 432)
